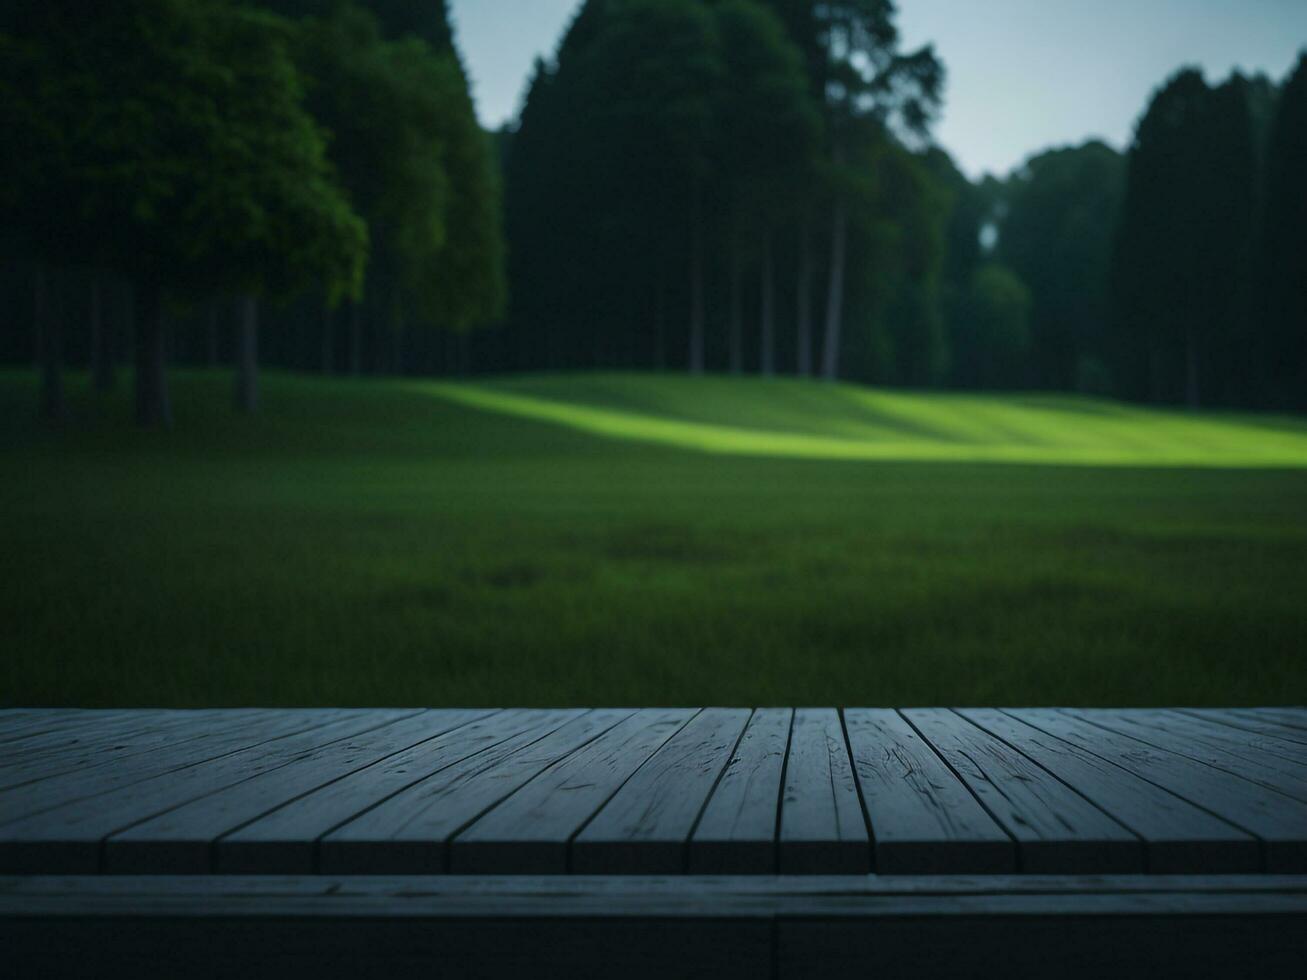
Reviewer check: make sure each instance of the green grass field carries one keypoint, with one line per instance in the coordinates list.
(645, 539)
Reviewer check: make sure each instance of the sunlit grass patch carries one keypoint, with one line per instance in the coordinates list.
(807, 420)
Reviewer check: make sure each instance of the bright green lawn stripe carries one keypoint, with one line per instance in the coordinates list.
(876, 425)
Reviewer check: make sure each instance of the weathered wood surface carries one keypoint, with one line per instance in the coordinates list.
(823, 826)
(645, 827)
(737, 831)
(1177, 835)
(723, 926)
(924, 819)
(675, 791)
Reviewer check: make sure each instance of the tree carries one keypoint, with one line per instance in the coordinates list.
(424, 20)
(1284, 246)
(391, 93)
(608, 211)
(1182, 244)
(1000, 313)
(767, 128)
(865, 78)
(165, 140)
(657, 117)
(896, 241)
(1059, 215)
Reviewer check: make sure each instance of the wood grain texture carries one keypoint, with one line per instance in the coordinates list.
(408, 833)
(1179, 837)
(530, 832)
(457, 773)
(637, 791)
(1280, 822)
(68, 838)
(1288, 717)
(1057, 830)
(822, 829)
(737, 832)
(111, 743)
(182, 840)
(645, 827)
(1252, 745)
(1246, 722)
(215, 741)
(1207, 744)
(924, 820)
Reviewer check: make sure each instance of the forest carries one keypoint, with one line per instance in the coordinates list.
(727, 186)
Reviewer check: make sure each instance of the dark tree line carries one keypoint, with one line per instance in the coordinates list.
(701, 185)
(179, 172)
(1201, 251)
(745, 185)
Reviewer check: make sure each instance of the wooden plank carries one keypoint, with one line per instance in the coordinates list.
(290, 840)
(923, 818)
(645, 828)
(703, 891)
(1247, 723)
(53, 722)
(1280, 822)
(1258, 746)
(1179, 838)
(737, 832)
(1194, 740)
(219, 737)
(1289, 717)
(531, 830)
(268, 928)
(822, 826)
(181, 840)
(110, 743)
(67, 839)
(1057, 830)
(409, 831)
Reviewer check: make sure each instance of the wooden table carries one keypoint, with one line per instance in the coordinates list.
(756, 843)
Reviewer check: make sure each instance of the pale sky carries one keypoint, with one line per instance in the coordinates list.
(1023, 74)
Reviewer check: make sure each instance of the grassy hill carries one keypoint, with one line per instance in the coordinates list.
(783, 417)
(646, 539)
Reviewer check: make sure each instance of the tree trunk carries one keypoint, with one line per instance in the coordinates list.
(1191, 391)
(49, 349)
(767, 357)
(247, 355)
(803, 293)
(830, 355)
(696, 287)
(102, 373)
(153, 407)
(211, 335)
(328, 341)
(355, 338)
(736, 339)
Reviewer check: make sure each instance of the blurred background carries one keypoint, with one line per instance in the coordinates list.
(544, 351)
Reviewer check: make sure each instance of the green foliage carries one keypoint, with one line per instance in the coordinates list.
(1000, 312)
(1059, 216)
(413, 159)
(766, 126)
(167, 140)
(897, 247)
(1284, 246)
(1181, 262)
(424, 20)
